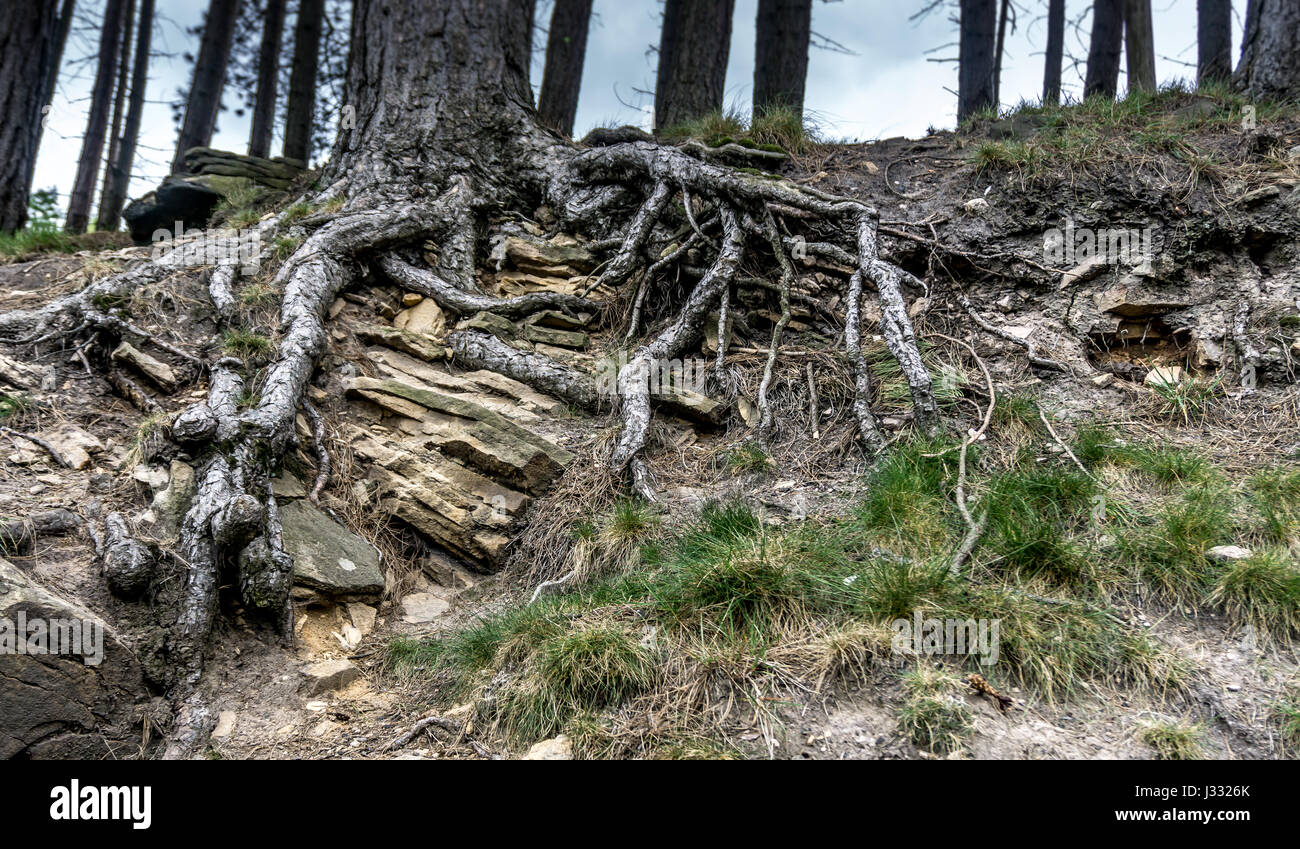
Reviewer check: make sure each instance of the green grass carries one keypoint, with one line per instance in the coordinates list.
(1173, 741)
(905, 506)
(1287, 715)
(1262, 590)
(1188, 400)
(13, 405)
(933, 716)
(1275, 493)
(1033, 513)
(248, 344)
(1167, 550)
(35, 239)
(776, 129)
(748, 458)
(1167, 465)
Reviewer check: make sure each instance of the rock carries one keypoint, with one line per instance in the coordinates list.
(410, 299)
(154, 477)
(1295, 349)
(276, 173)
(1294, 154)
(1103, 380)
(180, 203)
(605, 136)
(551, 336)
(27, 376)
(562, 256)
(158, 372)
(73, 444)
(287, 487)
(491, 390)
(423, 319)
(327, 676)
(1164, 376)
(1133, 301)
(172, 503)
(1228, 553)
(225, 724)
(976, 206)
(362, 616)
(1090, 268)
(556, 749)
(509, 284)
(66, 705)
(563, 321)
(400, 340)
(421, 608)
(499, 326)
(326, 556)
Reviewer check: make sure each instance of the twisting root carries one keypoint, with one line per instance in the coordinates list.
(868, 427)
(974, 527)
(36, 440)
(787, 281)
(323, 465)
(463, 302)
(1031, 351)
(638, 232)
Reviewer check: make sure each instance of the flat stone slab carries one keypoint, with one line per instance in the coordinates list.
(327, 556)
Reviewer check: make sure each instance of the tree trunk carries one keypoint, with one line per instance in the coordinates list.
(1213, 40)
(566, 49)
(975, 57)
(782, 33)
(268, 74)
(1104, 48)
(1270, 50)
(106, 218)
(302, 81)
(693, 49)
(999, 51)
(51, 71)
(1139, 45)
(120, 168)
(92, 146)
(1055, 51)
(204, 101)
(27, 45)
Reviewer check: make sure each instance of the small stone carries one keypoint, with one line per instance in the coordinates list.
(977, 206)
(419, 608)
(1164, 376)
(1233, 688)
(410, 299)
(556, 749)
(1228, 553)
(328, 675)
(225, 724)
(73, 444)
(1103, 380)
(362, 616)
(157, 371)
(155, 477)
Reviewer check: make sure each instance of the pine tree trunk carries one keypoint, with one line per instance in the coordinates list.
(121, 166)
(61, 30)
(1213, 40)
(1055, 52)
(1139, 45)
(693, 49)
(1270, 50)
(106, 219)
(999, 51)
(782, 33)
(1104, 49)
(204, 101)
(975, 57)
(566, 49)
(27, 46)
(302, 81)
(92, 145)
(268, 74)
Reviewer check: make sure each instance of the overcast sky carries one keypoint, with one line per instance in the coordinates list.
(886, 87)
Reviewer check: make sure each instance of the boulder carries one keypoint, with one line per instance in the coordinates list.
(328, 676)
(425, 318)
(158, 372)
(326, 556)
(1134, 301)
(75, 705)
(184, 202)
(278, 173)
(172, 503)
(562, 256)
(400, 340)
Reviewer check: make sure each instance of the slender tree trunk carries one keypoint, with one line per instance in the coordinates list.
(1104, 48)
(60, 41)
(121, 165)
(782, 32)
(975, 57)
(1139, 45)
(268, 74)
(693, 49)
(102, 220)
(566, 49)
(1004, 15)
(302, 81)
(1213, 40)
(1270, 50)
(204, 100)
(27, 46)
(92, 145)
(1055, 52)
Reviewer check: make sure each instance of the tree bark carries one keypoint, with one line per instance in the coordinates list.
(121, 165)
(1139, 45)
(1213, 40)
(1004, 15)
(302, 81)
(782, 32)
(27, 46)
(693, 49)
(1270, 50)
(204, 101)
(92, 145)
(975, 57)
(1104, 49)
(106, 219)
(566, 49)
(268, 74)
(1055, 52)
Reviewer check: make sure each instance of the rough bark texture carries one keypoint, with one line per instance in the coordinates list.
(27, 33)
(121, 165)
(268, 74)
(1104, 48)
(302, 81)
(782, 31)
(92, 145)
(1270, 50)
(106, 219)
(693, 49)
(975, 57)
(1139, 45)
(1006, 15)
(1213, 40)
(204, 101)
(1055, 51)
(566, 48)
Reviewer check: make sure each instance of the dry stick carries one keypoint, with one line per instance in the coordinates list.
(787, 280)
(323, 465)
(724, 306)
(635, 324)
(868, 426)
(36, 440)
(812, 403)
(132, 391)
(1047, 424)
(441, 722)
(629, 256)
(1030, 350)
